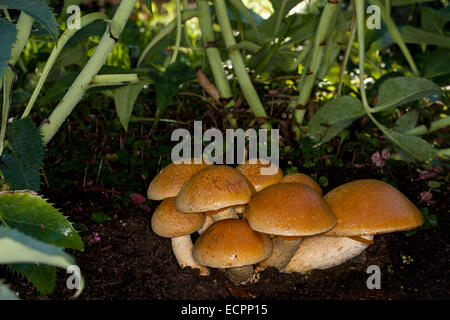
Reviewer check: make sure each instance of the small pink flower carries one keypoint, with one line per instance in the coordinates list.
(138, 153)
(376, 159)
(143, 177)
(42, 226)
(426, 196)
(95, 238)
(273, 92)
(385, 154)
(424, 175)
(145, 208)
(137, 198)
(325, 157)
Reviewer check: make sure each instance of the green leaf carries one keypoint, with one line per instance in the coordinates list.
(6, 293)
(246, 45)
(436, 63)
(18, 249)
(100, 217)
(334, 116)
(32, 215)
(7, 39)
(407, 121)
(407, 2)
(434, 20)
(399, 91)
(39, 10)
(41, 276)
(167, 83)
(124, 100)
(148, 4)
(21, 161)
(419, 36)
(413, 146)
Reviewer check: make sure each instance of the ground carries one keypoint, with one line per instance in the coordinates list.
(132, 262)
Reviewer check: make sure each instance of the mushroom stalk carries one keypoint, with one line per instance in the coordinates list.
(227, 213)
(282, 252)
(241, 275)
(182, 249)
(208, 221)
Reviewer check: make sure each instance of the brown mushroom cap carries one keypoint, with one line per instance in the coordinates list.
(289, 209)
(168, 182)
(369, 207)
(168, 222)
(231, 243)
(253, 173)
(213, 188)
(302, 178)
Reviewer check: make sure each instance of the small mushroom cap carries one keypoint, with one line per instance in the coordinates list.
(168, 182)
(320, 252)
(168, 222)
(302, 178)
(369, 207)
(231, 243)
(254, 173)
(213, 188)
(289, 209)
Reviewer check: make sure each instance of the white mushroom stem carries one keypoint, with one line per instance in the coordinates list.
(322, 252)
(208, 221)
(241, 275)
(183, 250)
(282, 252)
(227, 213)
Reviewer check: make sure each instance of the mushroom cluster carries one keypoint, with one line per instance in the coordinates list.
(246, 219)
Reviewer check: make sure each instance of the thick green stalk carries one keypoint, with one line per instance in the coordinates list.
(185, 15)
(434, 126)
(212, 52)
(24, 25)
(178, 37)
(279, 17)
(245, 82)
(396, 36)
(65, 37)
(93, 66)
(351, 38)
(326, 24)
(8, 79)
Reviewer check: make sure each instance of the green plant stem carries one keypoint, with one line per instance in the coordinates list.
(185, 15)
(65, 37)
(247, 14)
(24, 25)
(279, 17)
(434, 126)
(214, 58)
(8, 79)
(351, 38)
(187, 39)
(93, 66)
(245, 82)
(308, 78)
(212, 52)
(178, 37)
(396, 36)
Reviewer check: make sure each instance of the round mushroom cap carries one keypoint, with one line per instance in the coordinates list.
(256, 175)
(302, 178)
(289, 209)
(213, 188)
(231, 243)
(369, 207)
(168, 222)
(168, 182)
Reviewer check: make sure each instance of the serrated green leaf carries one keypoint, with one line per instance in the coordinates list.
(41, 276)
(32, 215)
(39, 10)
(334, 116)
(411, 145)
(20, 250)
(407, 121)
(124, 100)
(399, 91)
(6, 293)
(21, 161)
(7, 39)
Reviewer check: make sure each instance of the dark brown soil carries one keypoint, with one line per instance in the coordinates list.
(131, 262)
